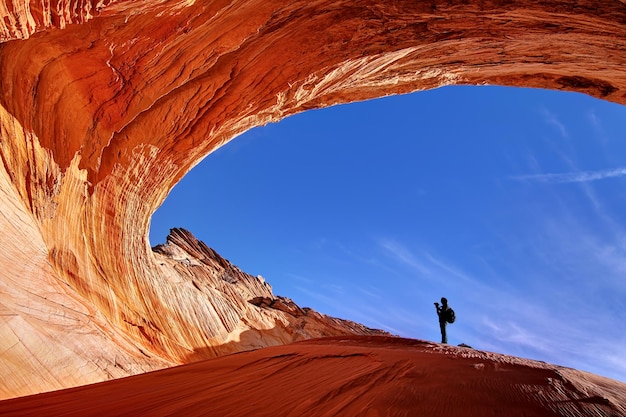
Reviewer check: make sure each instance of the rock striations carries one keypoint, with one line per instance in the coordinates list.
(105, 105)
(55, 342)
(240, 308)
(345, 376)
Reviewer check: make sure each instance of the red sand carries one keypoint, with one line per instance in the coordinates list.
(346, 376)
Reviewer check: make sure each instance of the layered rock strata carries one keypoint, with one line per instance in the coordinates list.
(105, 105)
(242, 308)
(56, 342)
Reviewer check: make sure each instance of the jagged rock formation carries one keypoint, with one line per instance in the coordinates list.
(242, 308)
(105, 105)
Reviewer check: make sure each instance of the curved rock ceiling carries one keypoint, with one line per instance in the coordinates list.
(105, 105)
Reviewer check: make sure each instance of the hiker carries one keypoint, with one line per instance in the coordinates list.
(446, 315)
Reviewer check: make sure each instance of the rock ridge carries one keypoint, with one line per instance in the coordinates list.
(347, 376)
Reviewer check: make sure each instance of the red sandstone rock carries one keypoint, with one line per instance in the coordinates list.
(357, 376)
(231, 321)
(105, 105)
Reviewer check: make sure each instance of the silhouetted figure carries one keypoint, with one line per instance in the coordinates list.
(446, 315)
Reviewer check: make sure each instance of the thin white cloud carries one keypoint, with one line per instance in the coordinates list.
(598, 127)
(573, 177)
(404, 255)
(370, 291)
(552, 120)
(320, 296)
(351, 307)
(340, 251)
(513, 334)
(595, 121)
(451, 270)
(567, 265)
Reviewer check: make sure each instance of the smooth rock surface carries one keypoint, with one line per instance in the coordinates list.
(345, 376)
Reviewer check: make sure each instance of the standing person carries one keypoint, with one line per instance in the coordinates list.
(446, 315)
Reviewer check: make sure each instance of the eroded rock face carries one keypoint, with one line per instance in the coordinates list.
(104, 106)
(242, 308)
(231, 310)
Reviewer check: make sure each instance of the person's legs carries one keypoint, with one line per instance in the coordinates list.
(444, 336)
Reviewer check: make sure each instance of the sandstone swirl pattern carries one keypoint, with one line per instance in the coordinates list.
(105, 105)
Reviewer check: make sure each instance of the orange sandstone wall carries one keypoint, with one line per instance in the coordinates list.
(105, 105)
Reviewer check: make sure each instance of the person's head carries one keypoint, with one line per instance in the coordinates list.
(444, 301)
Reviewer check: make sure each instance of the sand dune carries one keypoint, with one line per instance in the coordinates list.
(344, 376)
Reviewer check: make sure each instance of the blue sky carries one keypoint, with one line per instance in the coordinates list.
(510, 202)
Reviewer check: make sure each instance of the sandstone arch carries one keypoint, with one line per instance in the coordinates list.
(106, 105)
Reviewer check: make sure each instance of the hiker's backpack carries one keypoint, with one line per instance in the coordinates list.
(450, 316)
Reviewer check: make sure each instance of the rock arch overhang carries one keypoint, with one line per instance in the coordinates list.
(104, 106)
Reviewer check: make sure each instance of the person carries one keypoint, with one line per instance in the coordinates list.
(442, 312)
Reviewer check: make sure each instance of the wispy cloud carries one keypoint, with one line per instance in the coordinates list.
(552, 120)
(550, 300)
(430, 267)
(594, 120)
(353, 307)
(573, 177)
(450, 269)
(404, 255)
(514, 333)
